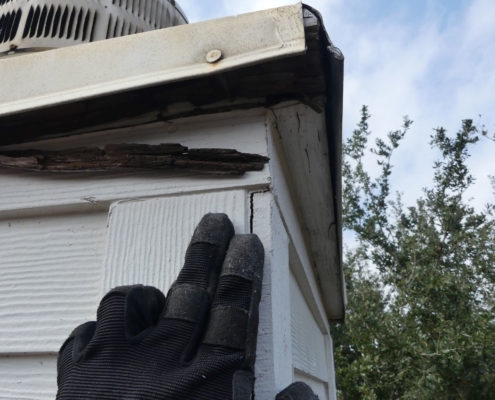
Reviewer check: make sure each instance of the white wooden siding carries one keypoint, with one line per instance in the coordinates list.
(308, 342)
(54, 265)
(28, 377)
(147, 240)
(312, 349)
(244, 132)
(304, 141)
(52, 270)
(283, 189)
(66, 239)
(319, 388)
(50, 274)
(274, 355)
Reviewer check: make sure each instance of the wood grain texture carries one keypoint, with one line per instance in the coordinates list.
(50, 278)
(28, 377)
(147, 240)
(244, 131)
(308, 343)
(285, 194)
(134, 157)
(274, 354)
(305, 144)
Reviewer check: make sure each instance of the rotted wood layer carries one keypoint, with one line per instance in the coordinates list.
(134, 157)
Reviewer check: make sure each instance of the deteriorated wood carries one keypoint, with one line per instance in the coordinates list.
(226, 155)
(217, 167)
(134, 157)
(74, 153)
(145, 149)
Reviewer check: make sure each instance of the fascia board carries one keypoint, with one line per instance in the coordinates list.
(39, 80)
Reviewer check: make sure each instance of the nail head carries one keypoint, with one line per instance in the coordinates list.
(213, 56)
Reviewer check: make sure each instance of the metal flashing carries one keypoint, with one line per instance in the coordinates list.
(54, 77)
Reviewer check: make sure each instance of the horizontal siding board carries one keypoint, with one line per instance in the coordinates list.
(308, 343)
(319, 388)
(147, 240)
(28, 377)
(243, 131)
(50, 276)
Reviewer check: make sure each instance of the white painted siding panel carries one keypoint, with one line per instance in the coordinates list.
(304, 139)
(308, 342)
(319, 388)
(273, 355)
(28, 378)
(243, 131)
(283, 191)
(50, 274)
(55, 268)
(147, 240)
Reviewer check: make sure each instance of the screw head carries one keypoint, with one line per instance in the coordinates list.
(214, 56)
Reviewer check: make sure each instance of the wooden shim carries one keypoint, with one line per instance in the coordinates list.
(134, 157)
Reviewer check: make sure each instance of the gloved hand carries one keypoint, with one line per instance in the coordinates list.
(197, 343)
(297, 391)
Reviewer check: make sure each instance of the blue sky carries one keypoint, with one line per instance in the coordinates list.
(433, 60)
(408, 12)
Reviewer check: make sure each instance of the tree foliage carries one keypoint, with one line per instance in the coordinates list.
(421, 280)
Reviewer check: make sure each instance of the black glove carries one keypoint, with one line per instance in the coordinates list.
(198, 343)
(297, 391)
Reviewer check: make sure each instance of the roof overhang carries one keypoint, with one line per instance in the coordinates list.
(147, 59)
(267, 57)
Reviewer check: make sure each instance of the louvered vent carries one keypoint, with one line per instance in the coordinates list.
(27, 25)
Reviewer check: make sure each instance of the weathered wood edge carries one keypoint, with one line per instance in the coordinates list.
(137, 157)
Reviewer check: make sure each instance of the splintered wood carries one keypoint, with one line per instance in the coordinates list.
(136, 157)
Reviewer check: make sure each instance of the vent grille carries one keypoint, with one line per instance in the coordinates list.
(64, 22)
(153, 12)
(9, 24)
(34, 25)
(120, 27)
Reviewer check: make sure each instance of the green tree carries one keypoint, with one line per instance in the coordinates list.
(421, 280)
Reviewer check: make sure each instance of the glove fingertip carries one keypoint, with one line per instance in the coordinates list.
(143, 307)
(82, 336)
(215, 229)
(242, 385)
(297, 391)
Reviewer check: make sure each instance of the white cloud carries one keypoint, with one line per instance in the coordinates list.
(239, 7)
(438, 76)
